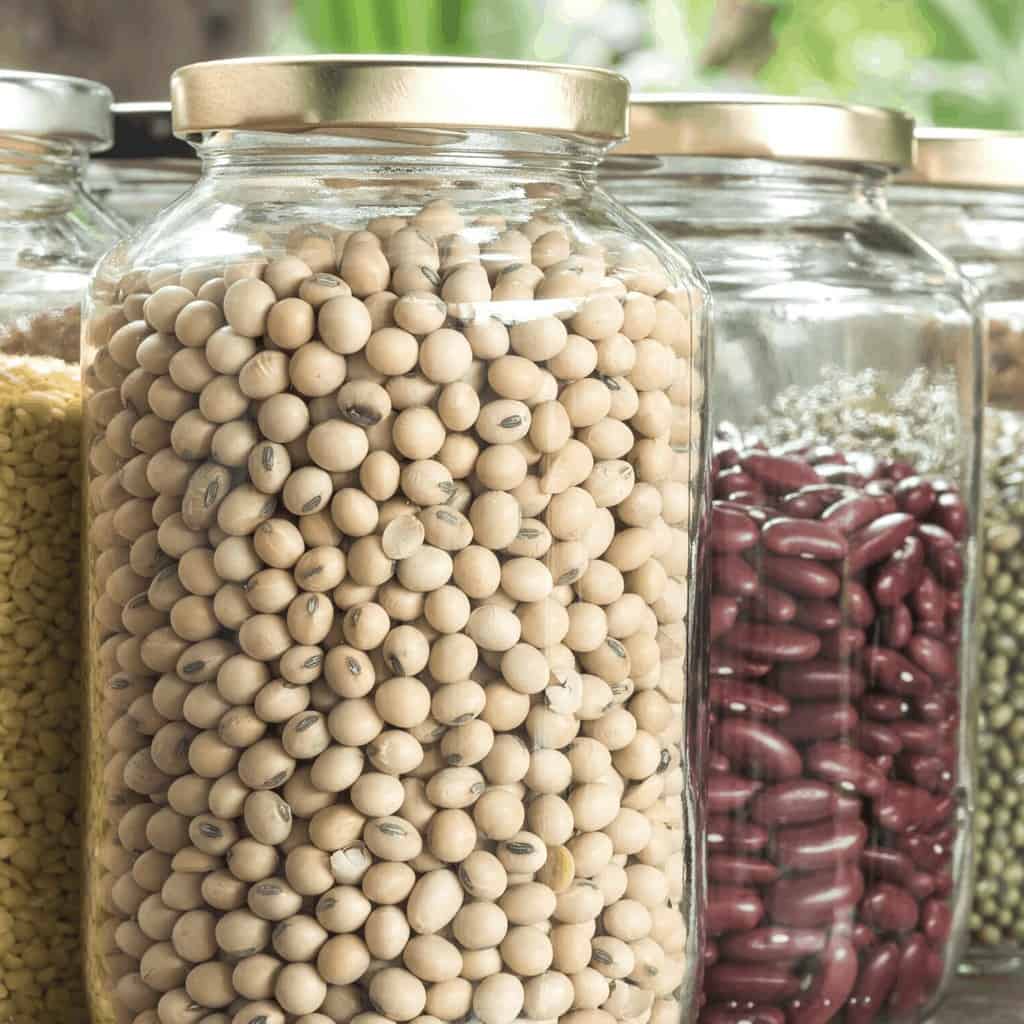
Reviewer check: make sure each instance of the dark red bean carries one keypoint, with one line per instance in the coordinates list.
(814, 847)
(886, 864)
(849, 807)
(758, 514)
(928, 627)
(925, 851)
(896, 470)
(863, 937)
(816, 899)
(772, 945)
(842, 644)
(927, 771)
(729, 1014)
(877, 739)
(758, 749)
(794, 803)
(718, 762)
(902, 807)
(884, 707)
(724, 612)
(899, 574)
(725, 833)
(936, 921)
(731, 480)
(730, 792)
(772, 605)
(742, 697)
(730, 574)
(948, 567)
(832, 985)
(845, 766)
(780, 473)
(800, 576)
(921, 885)
(756, 983)
(875, 982)
(820, 680)
(803, 538)
(732, 909)
(732, 869)
(818, 720)
(732, 531)
(917, 737)
(936, 538)
(951, 514)
(730, 664)
(891, 671)
(897, 626)
(909, 991)
(801, 505)
(846, 475)
(879, 539)
(727, 455)
(851, 513)
(933, 656)
(889, 908)
(770, 642)
(915, 496)
(943, 883)
(710, 952)
(857, 604)
(818, 615)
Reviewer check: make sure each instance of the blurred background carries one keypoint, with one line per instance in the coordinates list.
(950, 62)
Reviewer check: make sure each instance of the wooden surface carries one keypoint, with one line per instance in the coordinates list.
(997, 999)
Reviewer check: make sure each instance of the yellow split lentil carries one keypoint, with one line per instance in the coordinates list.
(40, 748)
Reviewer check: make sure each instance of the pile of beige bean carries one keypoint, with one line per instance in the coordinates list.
(40, 707)
(388, 607)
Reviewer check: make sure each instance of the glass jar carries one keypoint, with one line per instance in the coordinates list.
(846, 397)
(51, 233)
(966, 196)
(397, 450)
(148, 167)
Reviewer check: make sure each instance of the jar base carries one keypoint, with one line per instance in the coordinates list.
(980, 962)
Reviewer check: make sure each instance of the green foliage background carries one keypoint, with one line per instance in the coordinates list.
(953, 62)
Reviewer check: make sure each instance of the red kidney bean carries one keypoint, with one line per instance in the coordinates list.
(851, 513)
(936, 921)
(927, 771)
(936, 538)
(877, 739)
(800, 576)
(814, 847)
(710, 952)
(927, 627)
(897, 625)
(896, 470)
(748, 1014)
(772, 945)
(755, 512)
(731, 480)
(951, 514)
(915, 496)
(909, 991)
(820, 680)
(731, 869)
(881, 490)
(842, 644)
(718, 762)
(816, 899)
(738, 836)
(794, 803)
(803, 505)
(889, 865)
(925, 851)
(730, 574)
(803, 538)
(889, 908)
(921, 885)
(727, 455)
(729, 664)
(884, 707)
(742, 697)
(856, 603)
(754, 983)
(845, 766)
(780, 473)
(875, 982)
(758, 748)
(917, 737)
(732, 531)
(948, 567)
(902, 807)
(849, 807)
(842, 475)
(729, 792)
(724, 612)
(818, 615)
(954, 601)
(879, 539)
(891, 671)
(863, 936)
(770, 642)
(899, 574)
(831, 987)
(943, 883)
(818, 720)
(732, 909)
(772, 605)
(933, 656)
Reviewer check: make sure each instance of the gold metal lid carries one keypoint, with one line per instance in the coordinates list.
(367, 94)
(967, 158)
(767, 127)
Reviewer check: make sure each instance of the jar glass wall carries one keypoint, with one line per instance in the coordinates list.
(846, 395)
(967, 198)
(51, 233)
(397, 445)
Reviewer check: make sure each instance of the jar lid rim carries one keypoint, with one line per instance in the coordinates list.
(967, 158)
(360, 92)
(41, 105)
(784, 128)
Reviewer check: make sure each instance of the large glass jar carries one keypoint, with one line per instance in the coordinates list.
(846, 398)
(966, 196)
(148, 166)
(397, 444)
(51, 234)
